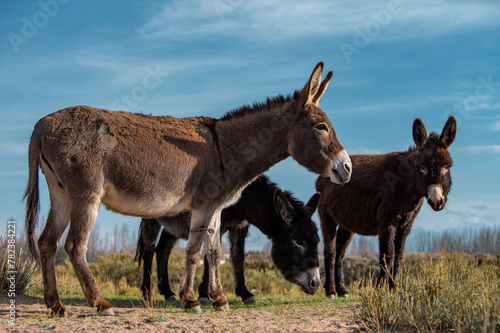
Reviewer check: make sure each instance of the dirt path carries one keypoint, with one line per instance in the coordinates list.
(269, 316)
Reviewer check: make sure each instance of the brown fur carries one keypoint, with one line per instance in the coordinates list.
(156, 166)
(383, 198)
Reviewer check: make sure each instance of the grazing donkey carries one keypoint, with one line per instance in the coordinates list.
(149, 166)
(383, 198)
(282, 218)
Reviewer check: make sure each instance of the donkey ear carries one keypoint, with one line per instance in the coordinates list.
(282, 206)
(419, 133)
(449, 132)
(312, 204)
(312, 86)
(321, 90)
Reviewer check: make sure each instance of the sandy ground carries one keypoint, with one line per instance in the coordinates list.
(32, 316)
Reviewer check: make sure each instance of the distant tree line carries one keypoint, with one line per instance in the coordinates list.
(470, 240)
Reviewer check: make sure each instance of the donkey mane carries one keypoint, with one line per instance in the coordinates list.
(309, 229)
(269, 104)
(432, 137)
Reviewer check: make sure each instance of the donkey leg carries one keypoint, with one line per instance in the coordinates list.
(203, 287)
(146, 286)
(57, 222)
(399, 247)
(83, 218)
(344, 238)
(386, 256)
(328, 228)
(193, 251)
(237, 239)
(212, 242)
(163, 250)
(149, 231)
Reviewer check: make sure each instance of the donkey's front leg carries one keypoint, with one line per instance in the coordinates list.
(197, 232)
(386, 255)
(163, 251)
(344, 238)
(213, 255)
(237, 238)
(399, 248)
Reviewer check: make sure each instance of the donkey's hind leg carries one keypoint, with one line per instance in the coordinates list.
(83, 217)
(57, 222)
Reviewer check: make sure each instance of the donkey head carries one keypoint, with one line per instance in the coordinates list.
(432, 162)
(312, 141)
(295, 247)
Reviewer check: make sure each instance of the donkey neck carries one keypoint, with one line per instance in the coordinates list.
(407, 192)
(257, 208)
(250, 144)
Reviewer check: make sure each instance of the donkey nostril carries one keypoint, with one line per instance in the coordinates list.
(313, 283)
(347, 167)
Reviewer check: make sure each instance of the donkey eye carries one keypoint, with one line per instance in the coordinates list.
(422, 169)
(299, 242)
(322, 127)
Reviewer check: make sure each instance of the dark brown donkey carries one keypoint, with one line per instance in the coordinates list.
(383, 198)
(150, 166)
(282, 218)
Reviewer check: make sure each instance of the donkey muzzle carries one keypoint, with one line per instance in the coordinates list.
(341, 168)
(435, 197)
(310, 281)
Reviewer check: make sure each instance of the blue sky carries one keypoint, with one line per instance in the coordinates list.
(392, 61)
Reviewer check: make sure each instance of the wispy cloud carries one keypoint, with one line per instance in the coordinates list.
(270, 20)
(462, 212)
(495, 126)
(487, 149)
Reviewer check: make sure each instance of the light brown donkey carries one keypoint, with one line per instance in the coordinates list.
(149, 166)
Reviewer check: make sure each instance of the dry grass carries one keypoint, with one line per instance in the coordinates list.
(451, 293)
(18, 261)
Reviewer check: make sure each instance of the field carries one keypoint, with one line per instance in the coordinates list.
(272, 314)
(441, 293)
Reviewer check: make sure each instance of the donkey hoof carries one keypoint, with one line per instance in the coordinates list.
(171, 299)
(250, 300)
(330, 296)
(224, 307)
(196, 309)
(106, 312)
(344, 295)
(203, 300)
(60, 314)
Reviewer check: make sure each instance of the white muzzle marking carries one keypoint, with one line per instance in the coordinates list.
(435, 197)
(341, 168)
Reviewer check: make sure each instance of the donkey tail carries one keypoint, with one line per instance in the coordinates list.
(148, 232)
(32, 196)
(141, 245)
